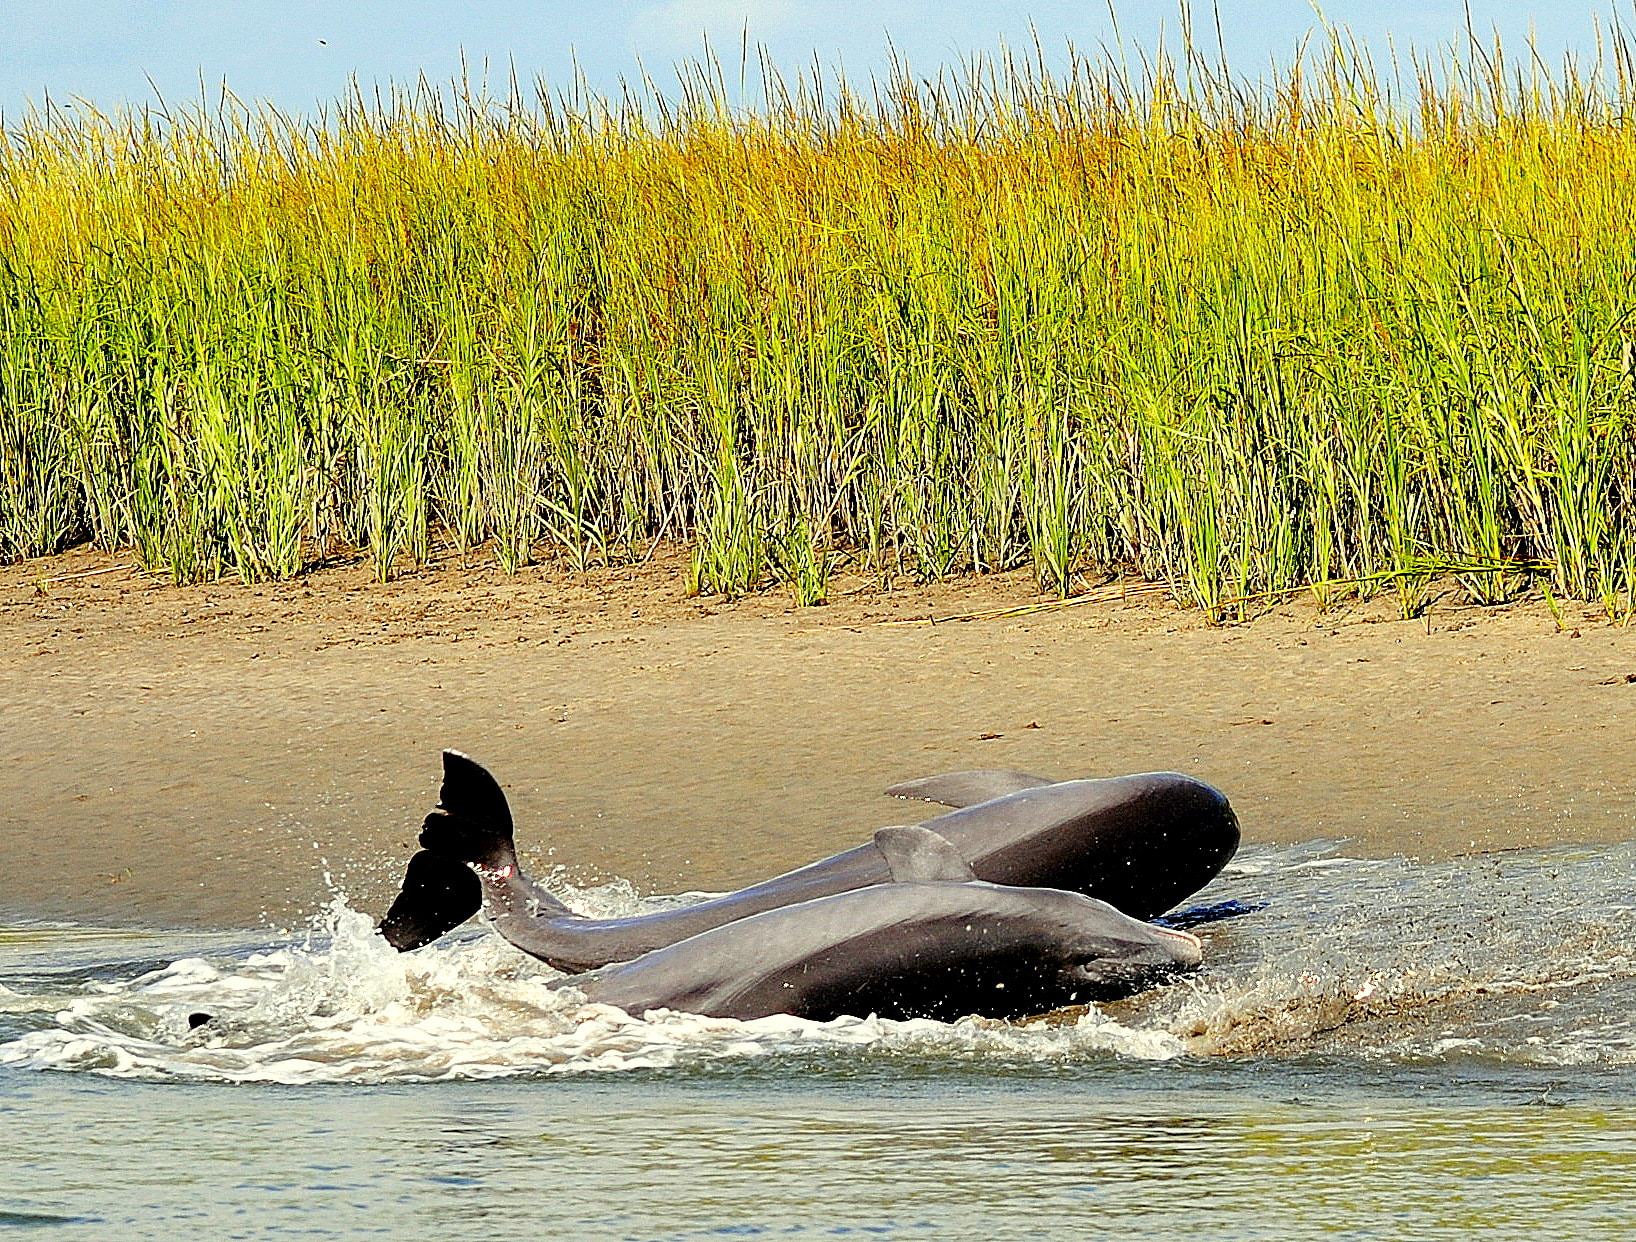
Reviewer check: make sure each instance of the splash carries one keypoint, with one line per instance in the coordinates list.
(1523, 959)
(343, 1007)
(1520, 958)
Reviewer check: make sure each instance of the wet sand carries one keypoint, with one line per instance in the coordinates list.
(202, 756)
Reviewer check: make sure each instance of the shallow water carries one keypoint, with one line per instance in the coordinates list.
(1387, 1049)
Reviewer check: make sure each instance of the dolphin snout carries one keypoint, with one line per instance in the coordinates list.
(1185, 949)
(1137, 959)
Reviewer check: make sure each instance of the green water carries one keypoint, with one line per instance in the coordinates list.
(1389, 1050)
(798, 1150)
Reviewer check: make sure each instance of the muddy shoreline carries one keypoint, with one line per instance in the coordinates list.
(205, 756)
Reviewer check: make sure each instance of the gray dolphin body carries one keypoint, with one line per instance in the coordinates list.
(933, 942)
(1140, 843)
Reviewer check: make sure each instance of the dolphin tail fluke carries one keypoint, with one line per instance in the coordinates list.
(438, 895)
(472, 822)
(959, 789)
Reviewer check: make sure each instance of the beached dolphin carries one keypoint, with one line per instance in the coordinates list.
(934, 942)
(1141, 843)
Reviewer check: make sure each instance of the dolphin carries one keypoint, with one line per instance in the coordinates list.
(1140, 843)
(934, 942)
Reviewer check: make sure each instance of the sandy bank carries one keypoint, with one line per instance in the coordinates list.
(196, 756)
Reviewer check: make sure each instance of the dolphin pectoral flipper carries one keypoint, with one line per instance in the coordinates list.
(917, 855)
(438, 895)
(968, 788)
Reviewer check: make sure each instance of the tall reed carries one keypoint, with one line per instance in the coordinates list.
(1330, 332)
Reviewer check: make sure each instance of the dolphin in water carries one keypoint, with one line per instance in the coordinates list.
(1140, 843)
(933, 942)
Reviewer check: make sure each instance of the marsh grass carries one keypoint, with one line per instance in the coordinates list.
(1328, 333)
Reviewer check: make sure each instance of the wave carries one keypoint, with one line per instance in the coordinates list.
(1527, 959)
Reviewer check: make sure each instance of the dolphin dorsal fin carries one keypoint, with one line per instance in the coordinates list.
(958, 789)
(917, 855)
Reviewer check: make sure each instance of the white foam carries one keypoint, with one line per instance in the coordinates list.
(1527, 959)
(346, 1008)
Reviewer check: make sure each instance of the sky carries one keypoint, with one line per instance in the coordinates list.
(297, 54)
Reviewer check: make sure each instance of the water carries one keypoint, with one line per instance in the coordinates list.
(1389, 1049)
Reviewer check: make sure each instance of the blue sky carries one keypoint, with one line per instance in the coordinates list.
(295, 53)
